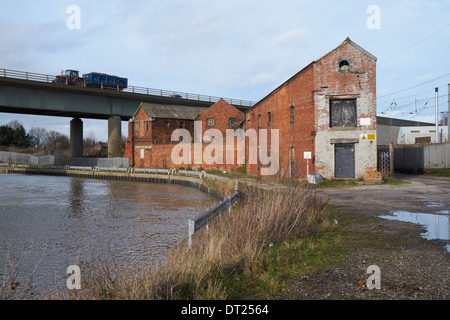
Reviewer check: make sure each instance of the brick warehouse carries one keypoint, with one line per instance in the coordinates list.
(149, 142)
(326, 112)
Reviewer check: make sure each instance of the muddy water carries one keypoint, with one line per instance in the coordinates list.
(49, 223)
(437, 225)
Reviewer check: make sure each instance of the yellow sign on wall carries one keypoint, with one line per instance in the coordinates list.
(368, 137)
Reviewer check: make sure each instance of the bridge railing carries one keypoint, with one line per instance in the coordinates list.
(31, 76)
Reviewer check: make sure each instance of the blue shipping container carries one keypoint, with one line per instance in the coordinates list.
(95, 79)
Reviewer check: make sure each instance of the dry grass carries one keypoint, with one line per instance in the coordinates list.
(261, 218)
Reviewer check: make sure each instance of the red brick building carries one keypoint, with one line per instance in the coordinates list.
(150, 131)
(325, 116)
(325, 112)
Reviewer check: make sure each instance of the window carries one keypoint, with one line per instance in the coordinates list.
(259, 120)
(136, 126)
(167, 125)
(210, 122)
(232, 122)
(292, 113)
(343, 113)
(269, 121)
(146, 125)
(182, 125)
(344, 65)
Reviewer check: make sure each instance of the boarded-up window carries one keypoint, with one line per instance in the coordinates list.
(423, 140)
(343, 113)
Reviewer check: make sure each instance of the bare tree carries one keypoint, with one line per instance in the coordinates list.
(15, 124)
(38, 137)
(57, 140)
(89, 141)
(444, 118)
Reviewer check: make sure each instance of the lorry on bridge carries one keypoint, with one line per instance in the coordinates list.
(93, 79)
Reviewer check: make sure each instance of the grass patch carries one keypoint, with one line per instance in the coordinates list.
(279, 264)
(335, 183)
(437, 172)
(394, 181)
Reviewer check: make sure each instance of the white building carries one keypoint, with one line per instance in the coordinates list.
(422, 134)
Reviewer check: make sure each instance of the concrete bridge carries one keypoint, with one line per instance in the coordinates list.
(32, 93)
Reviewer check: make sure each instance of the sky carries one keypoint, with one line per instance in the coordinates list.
(232, 49)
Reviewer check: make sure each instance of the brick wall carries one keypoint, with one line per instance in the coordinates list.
(299, 109)
(295, 133)
(221, 112)
(213, 157)
(358, 83)
(149, 143)
(307, 94)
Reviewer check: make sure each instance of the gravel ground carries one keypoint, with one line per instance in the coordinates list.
(411, 267)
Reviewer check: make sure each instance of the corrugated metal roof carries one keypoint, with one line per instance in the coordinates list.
(172, 111)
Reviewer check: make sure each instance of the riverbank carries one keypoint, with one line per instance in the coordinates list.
(326, 256)
(217, 188)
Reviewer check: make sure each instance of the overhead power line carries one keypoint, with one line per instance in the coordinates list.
(415, 44)
(415, 94)
(390, 94)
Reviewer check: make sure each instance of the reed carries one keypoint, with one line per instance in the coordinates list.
(260, 219)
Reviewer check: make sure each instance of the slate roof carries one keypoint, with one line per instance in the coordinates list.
(171, 111)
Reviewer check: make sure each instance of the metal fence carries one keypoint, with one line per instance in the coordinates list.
(385, 161)
(422, 156)
(25, 159)
(200, 221)
(49, 160)
(108, 163)
(23, 75)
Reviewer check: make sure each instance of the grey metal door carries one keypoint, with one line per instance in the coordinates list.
(344, 160)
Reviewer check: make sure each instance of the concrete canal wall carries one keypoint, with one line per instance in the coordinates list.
(217, 188)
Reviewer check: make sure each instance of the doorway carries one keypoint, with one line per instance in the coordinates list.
(344, 160)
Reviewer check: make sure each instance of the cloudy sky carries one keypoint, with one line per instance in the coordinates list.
(233, 49)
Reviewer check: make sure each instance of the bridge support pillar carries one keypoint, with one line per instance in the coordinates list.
(76, 138)
(115, 137)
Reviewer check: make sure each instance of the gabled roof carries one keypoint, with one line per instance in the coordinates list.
(170, 111)
(347, 40)
(222, 103)
(355, 45)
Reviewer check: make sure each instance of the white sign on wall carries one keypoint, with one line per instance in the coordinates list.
(307, 155)
(365, 121)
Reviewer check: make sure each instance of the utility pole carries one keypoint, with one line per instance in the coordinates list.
(437, 116)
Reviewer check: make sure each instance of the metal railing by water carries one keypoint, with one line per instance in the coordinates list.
(203, 219)
(31, 76)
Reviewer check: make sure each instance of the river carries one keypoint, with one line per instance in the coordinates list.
(48, 223)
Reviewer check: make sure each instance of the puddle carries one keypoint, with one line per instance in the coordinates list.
(437, 225)
(434, 204)
(443, 212)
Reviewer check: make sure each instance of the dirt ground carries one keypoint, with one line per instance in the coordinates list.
(411, 267)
